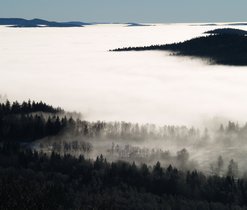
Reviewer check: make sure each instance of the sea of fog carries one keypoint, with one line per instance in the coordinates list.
(72, 68)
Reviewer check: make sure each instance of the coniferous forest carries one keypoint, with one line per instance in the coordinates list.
(50, 160)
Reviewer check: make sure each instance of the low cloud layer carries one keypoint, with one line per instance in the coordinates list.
(72, 68)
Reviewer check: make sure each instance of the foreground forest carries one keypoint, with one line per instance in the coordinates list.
(29, 180)
(50, 159)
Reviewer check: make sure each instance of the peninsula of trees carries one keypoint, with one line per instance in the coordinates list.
(224, 46)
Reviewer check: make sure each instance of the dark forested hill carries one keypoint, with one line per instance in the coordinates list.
(226, 47)
(227, 31)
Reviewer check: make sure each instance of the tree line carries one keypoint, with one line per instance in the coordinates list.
(26, 107)
(29, 121)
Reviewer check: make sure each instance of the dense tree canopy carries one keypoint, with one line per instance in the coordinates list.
(29, 180)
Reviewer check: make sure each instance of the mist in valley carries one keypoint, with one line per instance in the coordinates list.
(214, 152)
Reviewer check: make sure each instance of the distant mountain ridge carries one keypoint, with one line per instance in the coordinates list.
(24, 23)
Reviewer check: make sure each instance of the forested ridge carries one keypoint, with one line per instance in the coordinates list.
(224, 46)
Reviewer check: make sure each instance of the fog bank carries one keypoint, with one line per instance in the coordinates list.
(72, 68)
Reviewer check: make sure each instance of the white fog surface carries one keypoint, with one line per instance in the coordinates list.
(72, 68)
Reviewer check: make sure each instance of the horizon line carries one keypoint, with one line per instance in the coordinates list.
(127, 22)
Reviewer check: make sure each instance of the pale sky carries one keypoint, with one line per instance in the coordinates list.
(127, 10)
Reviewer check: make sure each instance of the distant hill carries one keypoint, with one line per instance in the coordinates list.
(237, 24)
(221, 24)
(136, 24)
(222, 48)
(230, 31)
(23, 23)
(79, 23)
(206, 24)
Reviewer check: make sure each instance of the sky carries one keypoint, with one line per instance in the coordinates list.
(154, 11)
